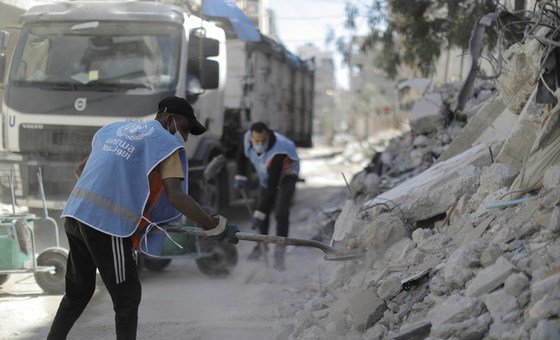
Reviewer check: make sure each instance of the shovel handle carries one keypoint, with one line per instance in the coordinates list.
(288, 241)
(332, 254)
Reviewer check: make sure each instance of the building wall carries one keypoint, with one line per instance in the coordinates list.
(325, 106)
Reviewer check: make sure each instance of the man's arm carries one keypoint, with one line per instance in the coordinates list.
(274, 175)
(186, 204)
(80, 168)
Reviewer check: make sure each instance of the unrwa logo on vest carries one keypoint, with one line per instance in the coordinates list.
(135, 130)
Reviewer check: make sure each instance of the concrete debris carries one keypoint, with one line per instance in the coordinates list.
(490, 278)
(427, 114)
(551, 179)
(517, 147)
(439, 263)
(546, 330)
(520, 72)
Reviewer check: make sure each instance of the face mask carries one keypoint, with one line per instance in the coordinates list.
(260, 148)
(177, 134)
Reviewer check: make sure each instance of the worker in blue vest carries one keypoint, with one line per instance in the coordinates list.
(276, 162)
(133, 181)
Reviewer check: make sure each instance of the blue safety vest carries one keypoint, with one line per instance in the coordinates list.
(283, 145)
(113, 189)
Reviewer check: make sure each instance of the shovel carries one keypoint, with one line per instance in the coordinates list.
(331, 254)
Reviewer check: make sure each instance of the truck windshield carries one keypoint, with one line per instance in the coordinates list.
(110, 55)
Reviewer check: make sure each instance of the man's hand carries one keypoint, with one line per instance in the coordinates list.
(241, 182)
(228, 235)
(258, 220)
(223, 232)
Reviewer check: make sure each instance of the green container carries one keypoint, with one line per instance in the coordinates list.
(11, 256)
(185, 240)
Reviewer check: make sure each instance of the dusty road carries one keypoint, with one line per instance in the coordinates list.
(254, 302)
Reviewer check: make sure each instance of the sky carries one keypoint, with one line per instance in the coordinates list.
(301, 21)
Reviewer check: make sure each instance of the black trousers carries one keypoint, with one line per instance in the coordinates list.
(286, 191)
(113, 257)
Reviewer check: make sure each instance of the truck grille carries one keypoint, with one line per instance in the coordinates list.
(56, 139)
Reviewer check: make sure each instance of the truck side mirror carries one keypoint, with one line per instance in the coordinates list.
(202, 47)
(210, 74)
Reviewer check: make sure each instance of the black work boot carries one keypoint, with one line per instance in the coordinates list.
(255, 254)
(279, 252)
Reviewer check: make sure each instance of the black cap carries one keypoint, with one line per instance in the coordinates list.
(180, 106)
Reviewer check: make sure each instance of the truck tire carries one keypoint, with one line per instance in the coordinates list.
(4, 278)
(52, 283)
(222, 261)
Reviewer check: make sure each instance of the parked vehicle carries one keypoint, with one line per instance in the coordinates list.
(77, 66)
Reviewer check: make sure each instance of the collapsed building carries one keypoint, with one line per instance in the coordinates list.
(459, 218)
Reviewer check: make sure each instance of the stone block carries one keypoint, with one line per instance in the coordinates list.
(500, 303)
(366, 308)
(455, 309)
(459, 267)
(426, 114)
(389, 289)
(490, 278)
(516, 284)
(474, 328)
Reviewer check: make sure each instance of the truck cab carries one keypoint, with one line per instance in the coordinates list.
(78, 66)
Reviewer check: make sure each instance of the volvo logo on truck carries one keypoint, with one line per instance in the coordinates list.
(80, 104)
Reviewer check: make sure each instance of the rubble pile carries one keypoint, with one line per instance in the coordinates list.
(411, 153)
(451, 250)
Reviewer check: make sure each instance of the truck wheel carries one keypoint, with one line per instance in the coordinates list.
(52, 283)
(220, 263)
(156, 265)
(4, 278)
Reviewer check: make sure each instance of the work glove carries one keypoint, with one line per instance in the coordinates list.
(241, 182)
(228, 236)
(258, 220)
(223, 233)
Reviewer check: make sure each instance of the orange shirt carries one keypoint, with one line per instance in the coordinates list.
(170, 167)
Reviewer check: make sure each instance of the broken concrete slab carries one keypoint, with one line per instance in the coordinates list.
(551, 179)
(542, 287)
(517, 147)
(520, 71)
(380, 234)
(486, 119)
(389, 289)
(469, 329)
(435, 190)
(490, 278)
(412, 331)
(427, 113)
(459, 267)
(500, 303)
(497, 176)
(366, 308)
(455, 308)
(477, 232)
(344, 222)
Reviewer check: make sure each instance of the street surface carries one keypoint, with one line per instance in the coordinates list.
(254, 302)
